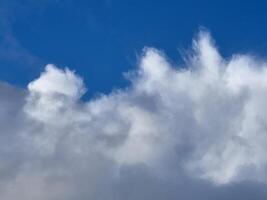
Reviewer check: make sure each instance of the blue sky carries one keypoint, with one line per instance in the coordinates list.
(101, 39)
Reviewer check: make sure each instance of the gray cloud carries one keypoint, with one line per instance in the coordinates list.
(190, 133)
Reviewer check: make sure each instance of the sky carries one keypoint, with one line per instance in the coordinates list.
(107, 36)
(133, 100)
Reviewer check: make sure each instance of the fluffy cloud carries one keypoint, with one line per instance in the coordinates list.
(173, 130)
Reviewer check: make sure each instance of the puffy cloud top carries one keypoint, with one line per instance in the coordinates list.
(54, 80)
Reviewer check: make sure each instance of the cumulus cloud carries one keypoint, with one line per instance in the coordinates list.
(173, 130)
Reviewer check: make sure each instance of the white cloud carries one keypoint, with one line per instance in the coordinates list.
(204, 122)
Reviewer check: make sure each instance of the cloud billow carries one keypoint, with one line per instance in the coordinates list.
(201, 128)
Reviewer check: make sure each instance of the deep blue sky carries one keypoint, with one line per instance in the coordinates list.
(101, 39)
